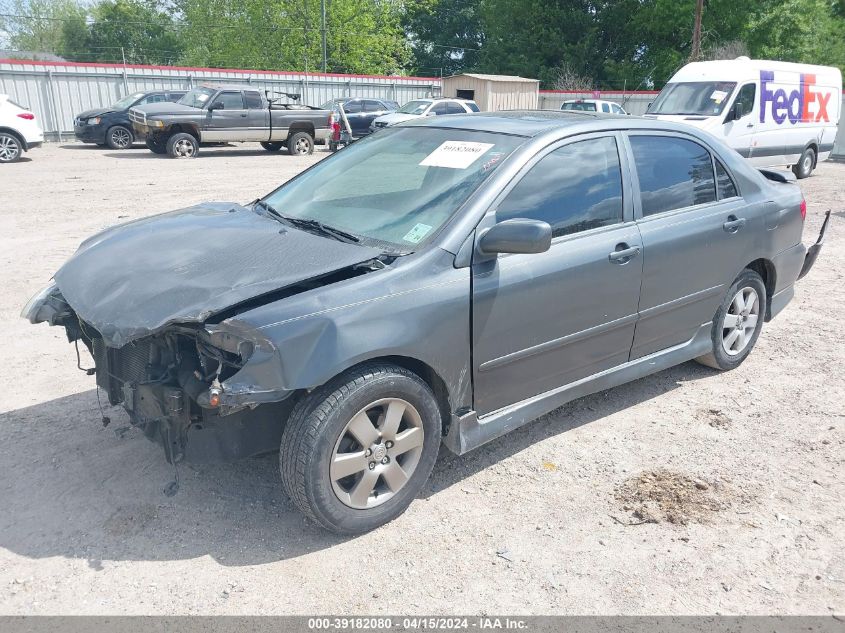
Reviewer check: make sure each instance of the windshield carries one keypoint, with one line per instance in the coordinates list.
(330, 105)
(127, 101)
(197, 97)
(397, 187)
(703, 98)
(581, 106)
(414, 107)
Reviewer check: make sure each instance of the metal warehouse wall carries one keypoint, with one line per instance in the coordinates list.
(56, 91)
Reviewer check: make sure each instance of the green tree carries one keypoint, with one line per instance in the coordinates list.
(445, 35)
(45, 26)
(142, 30)
(362, 36)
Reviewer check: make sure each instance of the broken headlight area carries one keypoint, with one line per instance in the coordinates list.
(172, 386)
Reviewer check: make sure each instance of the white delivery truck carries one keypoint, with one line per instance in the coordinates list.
(773, 113)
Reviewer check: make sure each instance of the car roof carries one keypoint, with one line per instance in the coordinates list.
(215, 86)
(531, 123)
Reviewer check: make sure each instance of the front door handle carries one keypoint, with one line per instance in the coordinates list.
(733, 224)
(243, 115)
(624, 253)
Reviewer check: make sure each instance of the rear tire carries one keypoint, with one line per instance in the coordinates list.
(274, 146)
(155, 146)
(737, 323)
(805, 165)
(300, 144)
(119, 137)
(357, 451)
(10, 148)
(182, 145)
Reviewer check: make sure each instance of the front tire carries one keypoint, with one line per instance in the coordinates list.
(301, 144)
(358, 450)
(737, 323)
(119, 137)
(805, 165)
(182, 145)
(10, 148)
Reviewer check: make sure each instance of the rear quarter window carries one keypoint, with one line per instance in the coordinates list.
(673, 173)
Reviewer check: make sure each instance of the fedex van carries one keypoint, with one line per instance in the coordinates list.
(773, 113)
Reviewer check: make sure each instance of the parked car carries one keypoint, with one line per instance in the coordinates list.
(425, 107)
(110, 127)
(593, 105)
(773, 113)
(229, 113)
(443, 280)
(19, 130)
(361, 112)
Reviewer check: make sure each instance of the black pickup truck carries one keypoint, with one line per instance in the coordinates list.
(229, 113)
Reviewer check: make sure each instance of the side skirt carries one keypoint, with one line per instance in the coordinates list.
(469, 431)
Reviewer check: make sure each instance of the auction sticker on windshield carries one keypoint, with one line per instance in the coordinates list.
(456, 154)
(417, 233)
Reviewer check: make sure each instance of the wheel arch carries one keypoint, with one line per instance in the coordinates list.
(766, 270)
(422, 369)
(301, 126)
(17, 135)
(183, 128)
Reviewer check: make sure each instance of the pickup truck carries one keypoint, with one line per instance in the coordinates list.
(229, 113)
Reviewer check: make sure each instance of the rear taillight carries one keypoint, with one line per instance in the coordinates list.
(29, 116)
(803, 208)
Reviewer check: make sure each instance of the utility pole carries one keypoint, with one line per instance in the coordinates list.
(695, 54)
(323, 13)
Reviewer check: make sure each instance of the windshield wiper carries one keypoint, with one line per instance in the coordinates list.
(306, 223)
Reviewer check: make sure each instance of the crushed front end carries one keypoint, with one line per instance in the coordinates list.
(174, 384)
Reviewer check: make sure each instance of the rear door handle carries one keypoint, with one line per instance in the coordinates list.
(733, 224)
(624, 253)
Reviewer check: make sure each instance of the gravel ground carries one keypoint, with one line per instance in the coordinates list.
(686, 492)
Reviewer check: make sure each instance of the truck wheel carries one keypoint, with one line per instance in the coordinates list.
(737, 323)
(804, 167)
(10, 148)
(156, 146)
(119, 137)
(356, 451)
(182, 145)
(272, 147)
(300, 144)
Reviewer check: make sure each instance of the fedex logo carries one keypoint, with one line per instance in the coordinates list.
(796, 105)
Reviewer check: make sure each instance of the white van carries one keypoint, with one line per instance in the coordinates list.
(773, 113)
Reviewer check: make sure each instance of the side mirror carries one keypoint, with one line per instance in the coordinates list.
(736, 113)
(517, 236)
(217, 105)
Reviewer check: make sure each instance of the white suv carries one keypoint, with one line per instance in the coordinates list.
(593, 105)
(19, 131)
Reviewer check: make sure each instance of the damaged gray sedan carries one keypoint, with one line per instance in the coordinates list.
(444, 280)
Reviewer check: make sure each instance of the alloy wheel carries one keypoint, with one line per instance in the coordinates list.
(377, 453)
(183, 148)
(9, 148)
(121, 138)
(301, 146)
(740, 321)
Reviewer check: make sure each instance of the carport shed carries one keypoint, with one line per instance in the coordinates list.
(494, 92)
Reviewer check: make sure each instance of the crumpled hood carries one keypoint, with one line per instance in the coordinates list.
(133, 279)
(95, 112)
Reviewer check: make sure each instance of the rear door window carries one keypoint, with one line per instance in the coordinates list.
(231, 100)
(253, 100)
(373, 106)
(472, 107)
(574, 188)
(605, 107)
(153, 98)
(175, 96)
(440, 108)
(674, 173)
(455, 108)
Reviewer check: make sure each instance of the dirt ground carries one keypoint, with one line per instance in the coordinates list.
(686, 492)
